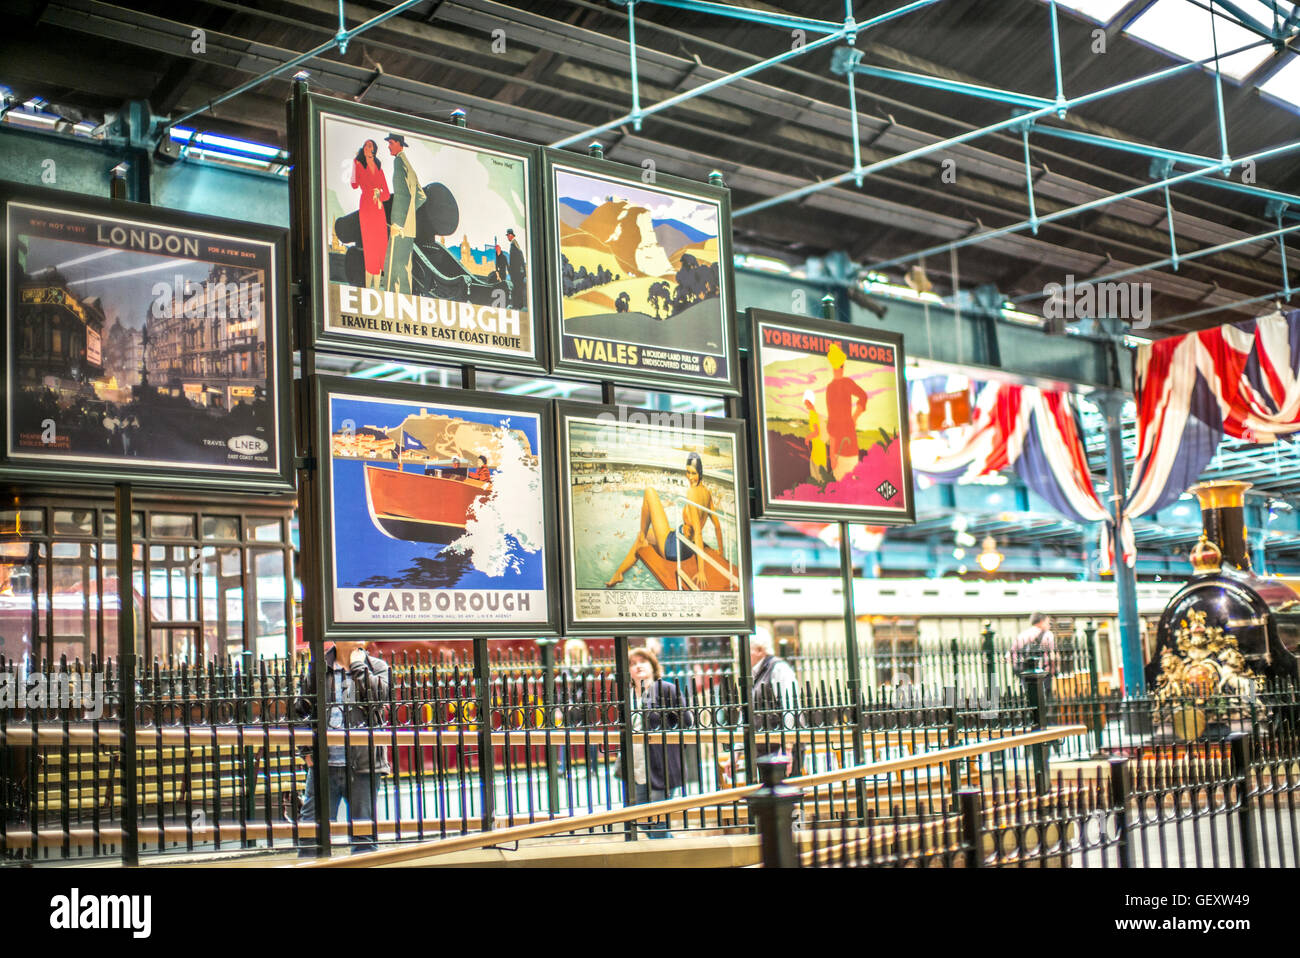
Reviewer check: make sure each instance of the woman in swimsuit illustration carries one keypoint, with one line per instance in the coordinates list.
(688, 538)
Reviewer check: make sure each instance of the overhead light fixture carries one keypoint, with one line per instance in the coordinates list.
(989, 558)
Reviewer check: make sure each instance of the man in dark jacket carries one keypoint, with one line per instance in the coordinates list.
(518, 272)
(357, 687)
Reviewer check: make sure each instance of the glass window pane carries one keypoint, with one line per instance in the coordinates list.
(22, 521)
(171, 526)
(266, 530)
(74, 522)
(221, 527)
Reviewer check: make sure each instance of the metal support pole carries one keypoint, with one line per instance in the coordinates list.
(1173, 241)
(547, 649)
(1119, 791)
(990, 657)
(623, 684)
(851, 651)
(1029, 177)
(1035, 680)
(772, 808)
(631, 48)
(1112, 404)
(1090, 636)
(1240, 744)
(487, 765)
(972, 825)
(1056, 65)
(126, 662)
(1218, 95)
(745, 688)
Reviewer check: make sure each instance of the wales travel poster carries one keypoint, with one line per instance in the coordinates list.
(437, 512)
(643, 278)
(426, 239)
(831, 420)
(657, 522)
(136, 345)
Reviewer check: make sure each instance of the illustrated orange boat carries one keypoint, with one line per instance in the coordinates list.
(418, 507)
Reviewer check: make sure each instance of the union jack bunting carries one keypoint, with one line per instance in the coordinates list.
(1241, 380)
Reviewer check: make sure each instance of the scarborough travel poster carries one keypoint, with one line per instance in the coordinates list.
(425, 241)
(436, 514)
(655, 526)
(831, 417)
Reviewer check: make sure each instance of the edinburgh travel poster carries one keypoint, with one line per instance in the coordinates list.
(426, 238)
(436, 511)
(830, 421)
(656, 522)
(643, 276)
(141, 342)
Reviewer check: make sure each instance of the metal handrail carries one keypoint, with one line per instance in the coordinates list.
(725, 796)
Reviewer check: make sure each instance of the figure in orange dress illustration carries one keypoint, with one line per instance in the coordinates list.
(368, 177)
(846, 401)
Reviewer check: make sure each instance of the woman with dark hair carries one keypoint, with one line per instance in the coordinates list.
(656, 761)
(688, 538)
(368, 177)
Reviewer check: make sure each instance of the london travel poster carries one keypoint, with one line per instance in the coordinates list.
(831, 420)
(643, 278)
(657, 521)
(135, 345)
(426, 239)
(437, 511)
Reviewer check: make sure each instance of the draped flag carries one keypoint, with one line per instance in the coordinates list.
(1241, 380)
(1036, 432)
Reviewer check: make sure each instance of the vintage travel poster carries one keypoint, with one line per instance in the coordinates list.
(135, 345)
(426, 239)
(657, 522)
(833, 438)
(643, 278)
(437, 512)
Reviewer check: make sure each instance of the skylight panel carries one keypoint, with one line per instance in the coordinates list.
(1285, 83)
(1184, 29)
(1103, 11)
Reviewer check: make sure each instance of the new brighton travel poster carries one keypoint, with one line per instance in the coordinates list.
(642, 283)
(426, 238)
(436, 511)
(141, 343)
(656, 522)
(830, 421)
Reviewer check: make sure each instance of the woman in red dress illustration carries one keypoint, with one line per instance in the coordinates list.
(368, 177)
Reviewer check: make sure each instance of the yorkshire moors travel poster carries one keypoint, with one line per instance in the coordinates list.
(830, 421)
(426, 238)
(656, 522)
(643, 279)
(437, 516)
(142, 344)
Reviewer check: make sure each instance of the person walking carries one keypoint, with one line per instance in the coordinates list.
(1034, 645)
(656, 764)
(774, 698)
(357, 687)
